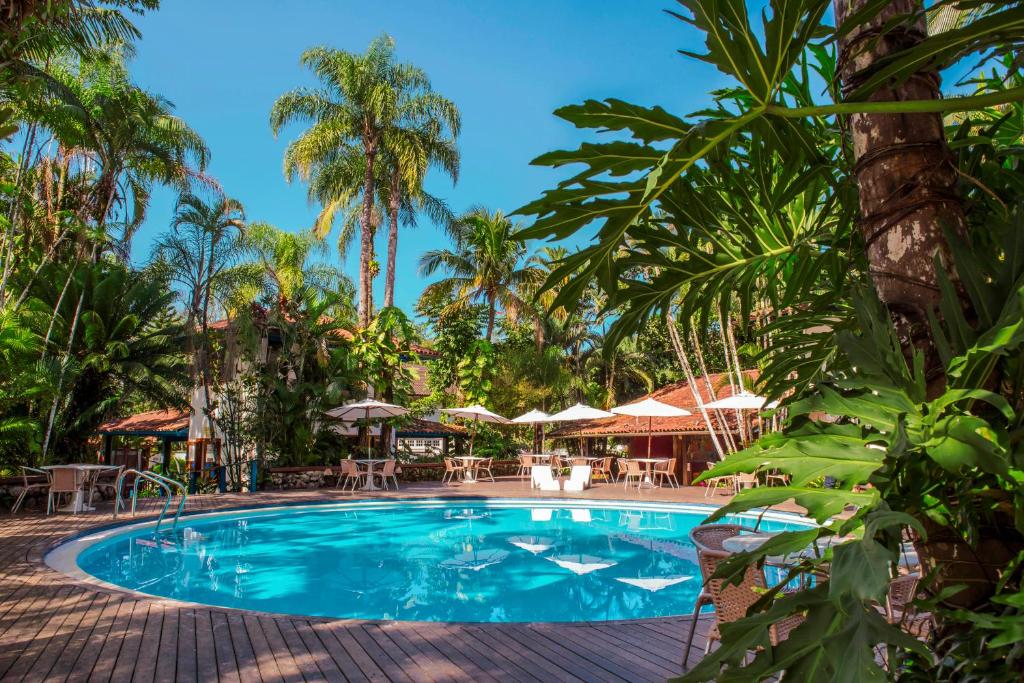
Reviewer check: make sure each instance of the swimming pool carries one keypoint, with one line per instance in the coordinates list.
(470, 560)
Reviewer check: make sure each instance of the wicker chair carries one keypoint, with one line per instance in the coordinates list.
(713, 482)
(485, 468)
(731, 602)
(107, 481)
(602, 469)
(388, 472)
(633, 471)
(64, 480)
(452, 470)
(666, 471)
(525, 463)
(349, 475)
(899, 608)
(27, 472)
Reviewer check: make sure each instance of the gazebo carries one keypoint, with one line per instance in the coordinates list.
(169, 426)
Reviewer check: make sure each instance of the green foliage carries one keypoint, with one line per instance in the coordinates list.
(382, 350)
(475, 372)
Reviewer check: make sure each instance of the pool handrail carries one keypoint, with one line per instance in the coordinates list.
(163, 482)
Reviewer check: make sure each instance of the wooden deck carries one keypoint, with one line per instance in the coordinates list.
(52, 628)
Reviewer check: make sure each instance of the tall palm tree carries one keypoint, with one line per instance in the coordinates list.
(362, 98)
(487, 265)
(205, 241)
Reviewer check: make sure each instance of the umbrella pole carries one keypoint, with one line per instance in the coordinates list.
(472, 436)
(650, 432)
(369, 435)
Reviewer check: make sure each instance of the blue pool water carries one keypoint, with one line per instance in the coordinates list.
(477, 561)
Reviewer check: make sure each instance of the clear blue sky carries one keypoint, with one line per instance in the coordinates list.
(507, 65)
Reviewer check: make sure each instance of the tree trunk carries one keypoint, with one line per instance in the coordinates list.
(366, 238)
(389, 277)
(491, 313)
(905, 173)
(907, 177)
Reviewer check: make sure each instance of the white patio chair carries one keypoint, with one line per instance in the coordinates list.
(541, 478)
(579, 478)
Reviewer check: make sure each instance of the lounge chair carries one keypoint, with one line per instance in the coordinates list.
(579, 478)
(540, 476)
(27, 472)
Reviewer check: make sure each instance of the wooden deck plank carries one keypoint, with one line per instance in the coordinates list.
(227, 664)
(52, 629)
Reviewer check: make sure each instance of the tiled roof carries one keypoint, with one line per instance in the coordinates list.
(677, 394)
(424, 427)
(152, 422)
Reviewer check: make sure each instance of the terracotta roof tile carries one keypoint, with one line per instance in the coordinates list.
(149, 422)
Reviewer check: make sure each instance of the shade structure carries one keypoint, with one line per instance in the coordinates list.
(367, 409)
(650, 408)
(580, 411)
(476, 413)
(534, 417)
(744, 400)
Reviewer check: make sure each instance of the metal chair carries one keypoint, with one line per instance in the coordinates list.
(388, 472)
(27, 486)
(602, 469)
(64, 480)
(525, 463)
(633, 471)
(666, 470)
(103, 481)
(451, 471)
(349, 474)
(484, 467)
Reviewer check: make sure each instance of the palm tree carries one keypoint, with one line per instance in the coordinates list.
(487, 264)
(363, 98)
(206, 239)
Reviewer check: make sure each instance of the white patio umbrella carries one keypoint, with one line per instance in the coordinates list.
(650, 408)
(534, 417)
(744, 400)
(579, 412)
(476, 413)
(367, 409)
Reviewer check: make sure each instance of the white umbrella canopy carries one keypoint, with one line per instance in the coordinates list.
(534, 417)
(531, 418)
(367, 409)
(744, 400)
(650, 408)
(580, 411)
(476, 413)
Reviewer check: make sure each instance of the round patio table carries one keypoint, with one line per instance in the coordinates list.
(470, 462)
(370, 463)
(648, 464)
(78, 501)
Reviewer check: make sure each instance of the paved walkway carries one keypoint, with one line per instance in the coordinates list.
(52, 628)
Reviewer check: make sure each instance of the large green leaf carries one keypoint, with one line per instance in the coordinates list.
(821, 504)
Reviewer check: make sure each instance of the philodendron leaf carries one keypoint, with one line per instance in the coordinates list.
(966, 441)
(783, 545)
(860, 568)
(821, 504)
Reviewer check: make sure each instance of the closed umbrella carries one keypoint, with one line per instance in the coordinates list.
(579, 412)
(368, 409)
(534, 417)
(650, 408)
(476, 413)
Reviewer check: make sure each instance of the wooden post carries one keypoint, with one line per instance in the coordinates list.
(108, 448)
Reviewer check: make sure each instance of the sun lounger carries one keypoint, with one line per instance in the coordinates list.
(541, 477)
(579, 478)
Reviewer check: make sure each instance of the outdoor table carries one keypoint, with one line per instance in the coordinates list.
(78, 501)
(470, 462)
(648, 464)
(369, 462)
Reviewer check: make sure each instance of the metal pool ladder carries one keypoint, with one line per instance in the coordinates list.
(163, 482)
